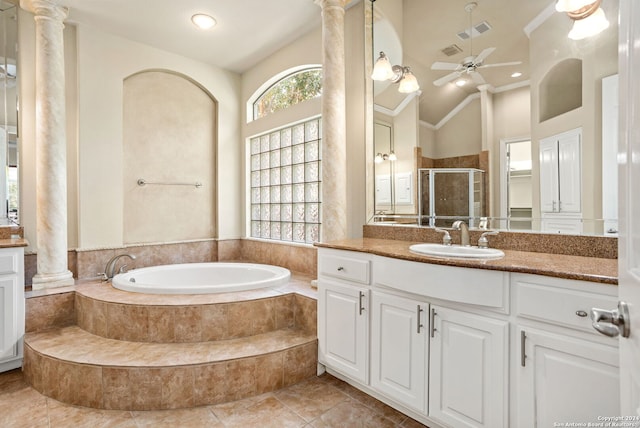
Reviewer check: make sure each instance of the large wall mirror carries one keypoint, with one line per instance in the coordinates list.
(9, 201)
(503, 90)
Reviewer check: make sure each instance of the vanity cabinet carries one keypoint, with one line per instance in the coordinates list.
(563, 378)
(468, 369)
(565, 371)
(399, 348)
(13, 307)
(343, 313)
(463, 347)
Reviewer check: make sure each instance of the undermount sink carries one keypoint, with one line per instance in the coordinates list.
(456, 251)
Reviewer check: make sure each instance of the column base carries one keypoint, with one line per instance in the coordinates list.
(52, 280)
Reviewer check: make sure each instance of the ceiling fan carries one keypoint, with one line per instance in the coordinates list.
(470, 64)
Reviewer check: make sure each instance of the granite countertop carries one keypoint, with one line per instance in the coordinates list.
(593, 269)
(13, 242)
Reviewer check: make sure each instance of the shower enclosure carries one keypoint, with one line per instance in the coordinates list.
(449, 194)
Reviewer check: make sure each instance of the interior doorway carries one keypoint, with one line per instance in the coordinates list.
(516, 187)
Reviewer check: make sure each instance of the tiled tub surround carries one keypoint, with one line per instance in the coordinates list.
(88, 264)
(143, 352)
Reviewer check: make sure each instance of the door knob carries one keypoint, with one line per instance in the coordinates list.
(612, 323)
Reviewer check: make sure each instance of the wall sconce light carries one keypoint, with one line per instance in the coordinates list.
(589, 18)
(383, 70)
(380, 157)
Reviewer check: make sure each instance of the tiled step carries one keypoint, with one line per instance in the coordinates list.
(77, 367)
(115, 314)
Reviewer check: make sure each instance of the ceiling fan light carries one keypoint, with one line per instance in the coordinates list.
(571, 5)
(382, 69)
(392, 156)
(409, 83)
(378, 158)
(461, 82)
(589, 26)
(516, 74)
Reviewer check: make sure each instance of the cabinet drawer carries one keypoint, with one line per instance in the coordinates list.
(8, 263)
(564, 307)
(344, 267)
(480, 287)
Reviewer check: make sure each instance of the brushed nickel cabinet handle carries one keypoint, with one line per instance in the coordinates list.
(361, 308)
(523, 355)
(419, 313)
(433, 322)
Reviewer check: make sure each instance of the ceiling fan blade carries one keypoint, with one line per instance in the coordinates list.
(446, 79)
(445, 66)
(483, 55)
(501, 64)
(477, 78)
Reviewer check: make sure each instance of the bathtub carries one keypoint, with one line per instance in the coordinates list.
(201, 278)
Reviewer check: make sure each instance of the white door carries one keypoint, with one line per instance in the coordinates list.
(629, 200)
(343, 334)
(468, 369)
(399, 348)
(569, 174)
(548, 175)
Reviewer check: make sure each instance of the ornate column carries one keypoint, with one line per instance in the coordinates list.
(51, 145)
(334, 141)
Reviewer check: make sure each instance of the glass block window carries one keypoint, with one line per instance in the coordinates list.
(290, 90)
(285, 176)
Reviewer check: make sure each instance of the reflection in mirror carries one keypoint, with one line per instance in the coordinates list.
(8, 115)
(501, 87)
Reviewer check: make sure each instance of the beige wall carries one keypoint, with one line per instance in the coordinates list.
(307, 50)
(462, 135)
(102, 61)
(97, 64)
(512, 120)
(549, 45)
(428, 140)
(169, 136)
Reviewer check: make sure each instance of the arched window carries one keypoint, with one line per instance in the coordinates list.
(292, 89)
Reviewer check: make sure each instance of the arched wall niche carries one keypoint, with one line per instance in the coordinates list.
(561, 89)
(169, 136)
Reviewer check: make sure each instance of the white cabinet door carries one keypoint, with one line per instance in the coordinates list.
(563, 379)
(560, 173)
(468, 370)
(399, 348)
(343, 328)
(9, 322)
(569, 175)
(548, 175)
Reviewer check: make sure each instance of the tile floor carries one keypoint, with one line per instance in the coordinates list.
(320, 402)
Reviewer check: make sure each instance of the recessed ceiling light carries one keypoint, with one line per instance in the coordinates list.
(516, 74)
(461, 82)
(202, 21)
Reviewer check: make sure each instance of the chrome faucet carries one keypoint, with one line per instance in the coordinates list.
(110, 270)
(483, 242)
(446, 238)
(464, 232)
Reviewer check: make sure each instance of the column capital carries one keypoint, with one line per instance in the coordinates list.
(331, 3)
(45, 8)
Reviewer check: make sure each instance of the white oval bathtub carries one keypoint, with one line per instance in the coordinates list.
(201, 278)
